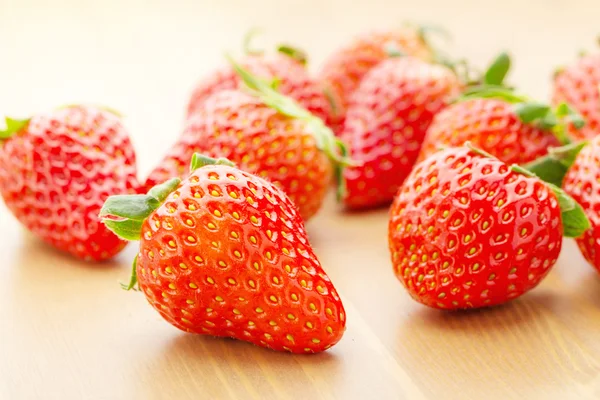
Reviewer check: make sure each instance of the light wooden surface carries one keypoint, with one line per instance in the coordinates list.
(68, 332)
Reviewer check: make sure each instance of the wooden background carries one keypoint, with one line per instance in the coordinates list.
(68, 332)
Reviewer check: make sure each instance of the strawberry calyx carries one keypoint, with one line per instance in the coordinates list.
(574, 220)
(13, 126)
(125, 214)
(334, 148)
(529, 111)
(553, 167)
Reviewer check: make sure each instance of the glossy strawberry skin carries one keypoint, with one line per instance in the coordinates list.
(345, 68)
(238, 126)
(227, 255)
(467, 232)
(294, 81)
(57, 172)
(386, 123)
(582, 182)
(490, 125)
(577, 85)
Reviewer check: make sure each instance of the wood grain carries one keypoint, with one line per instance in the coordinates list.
(69, 332)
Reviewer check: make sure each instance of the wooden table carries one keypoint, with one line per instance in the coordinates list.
(69, 332)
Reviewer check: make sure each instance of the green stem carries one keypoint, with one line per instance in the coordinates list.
(326, 140)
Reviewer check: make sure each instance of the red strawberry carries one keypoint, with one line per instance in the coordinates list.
(343, 71)
(386, 122)
(582, 181)
(225, 253)
(469, 231)
(508, 126)
(578, 85)
(292, 80)
(264, 133)
(57, 169)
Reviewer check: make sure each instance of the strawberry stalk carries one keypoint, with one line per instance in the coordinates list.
(13, 126)
(334, 148)
(290, 51)
(574, 220)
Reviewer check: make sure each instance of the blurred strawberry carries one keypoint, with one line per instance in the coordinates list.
(345, 68)
(57, 169)
(285, 67)
(578, 85)
(509, 126)
(386, 122)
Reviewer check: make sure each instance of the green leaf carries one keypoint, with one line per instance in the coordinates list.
(125, 214)
(496, 72)
(127, 229)
(134, 207)
(491, 92)
(161, 191)
(13, 126)
(574, 220)
(573, 116)
(531, 111)
(200, 160)
(293, 52)
(553, 166)
(133, 278)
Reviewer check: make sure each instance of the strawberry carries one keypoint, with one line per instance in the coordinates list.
(467, 230)
(291, 76)
(225, 253)
(578, 85)
(577, 167)
(57, 169)
(265, 133)
(507, 125)
(344, 69)
(386, 123)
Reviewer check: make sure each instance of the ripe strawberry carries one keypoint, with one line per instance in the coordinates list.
(386, 123)
(468, 231)
(264, 133)
(292, 78)
(225, 253)
(508, 126)
(57, 169)
(578, 86)
(582, 181)
(344, 69)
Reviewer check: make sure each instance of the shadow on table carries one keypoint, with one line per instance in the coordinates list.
(514, 350)
(226, 368)
(34, 251)
(589, 287)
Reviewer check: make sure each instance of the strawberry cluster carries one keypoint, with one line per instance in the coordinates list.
(484, 183)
